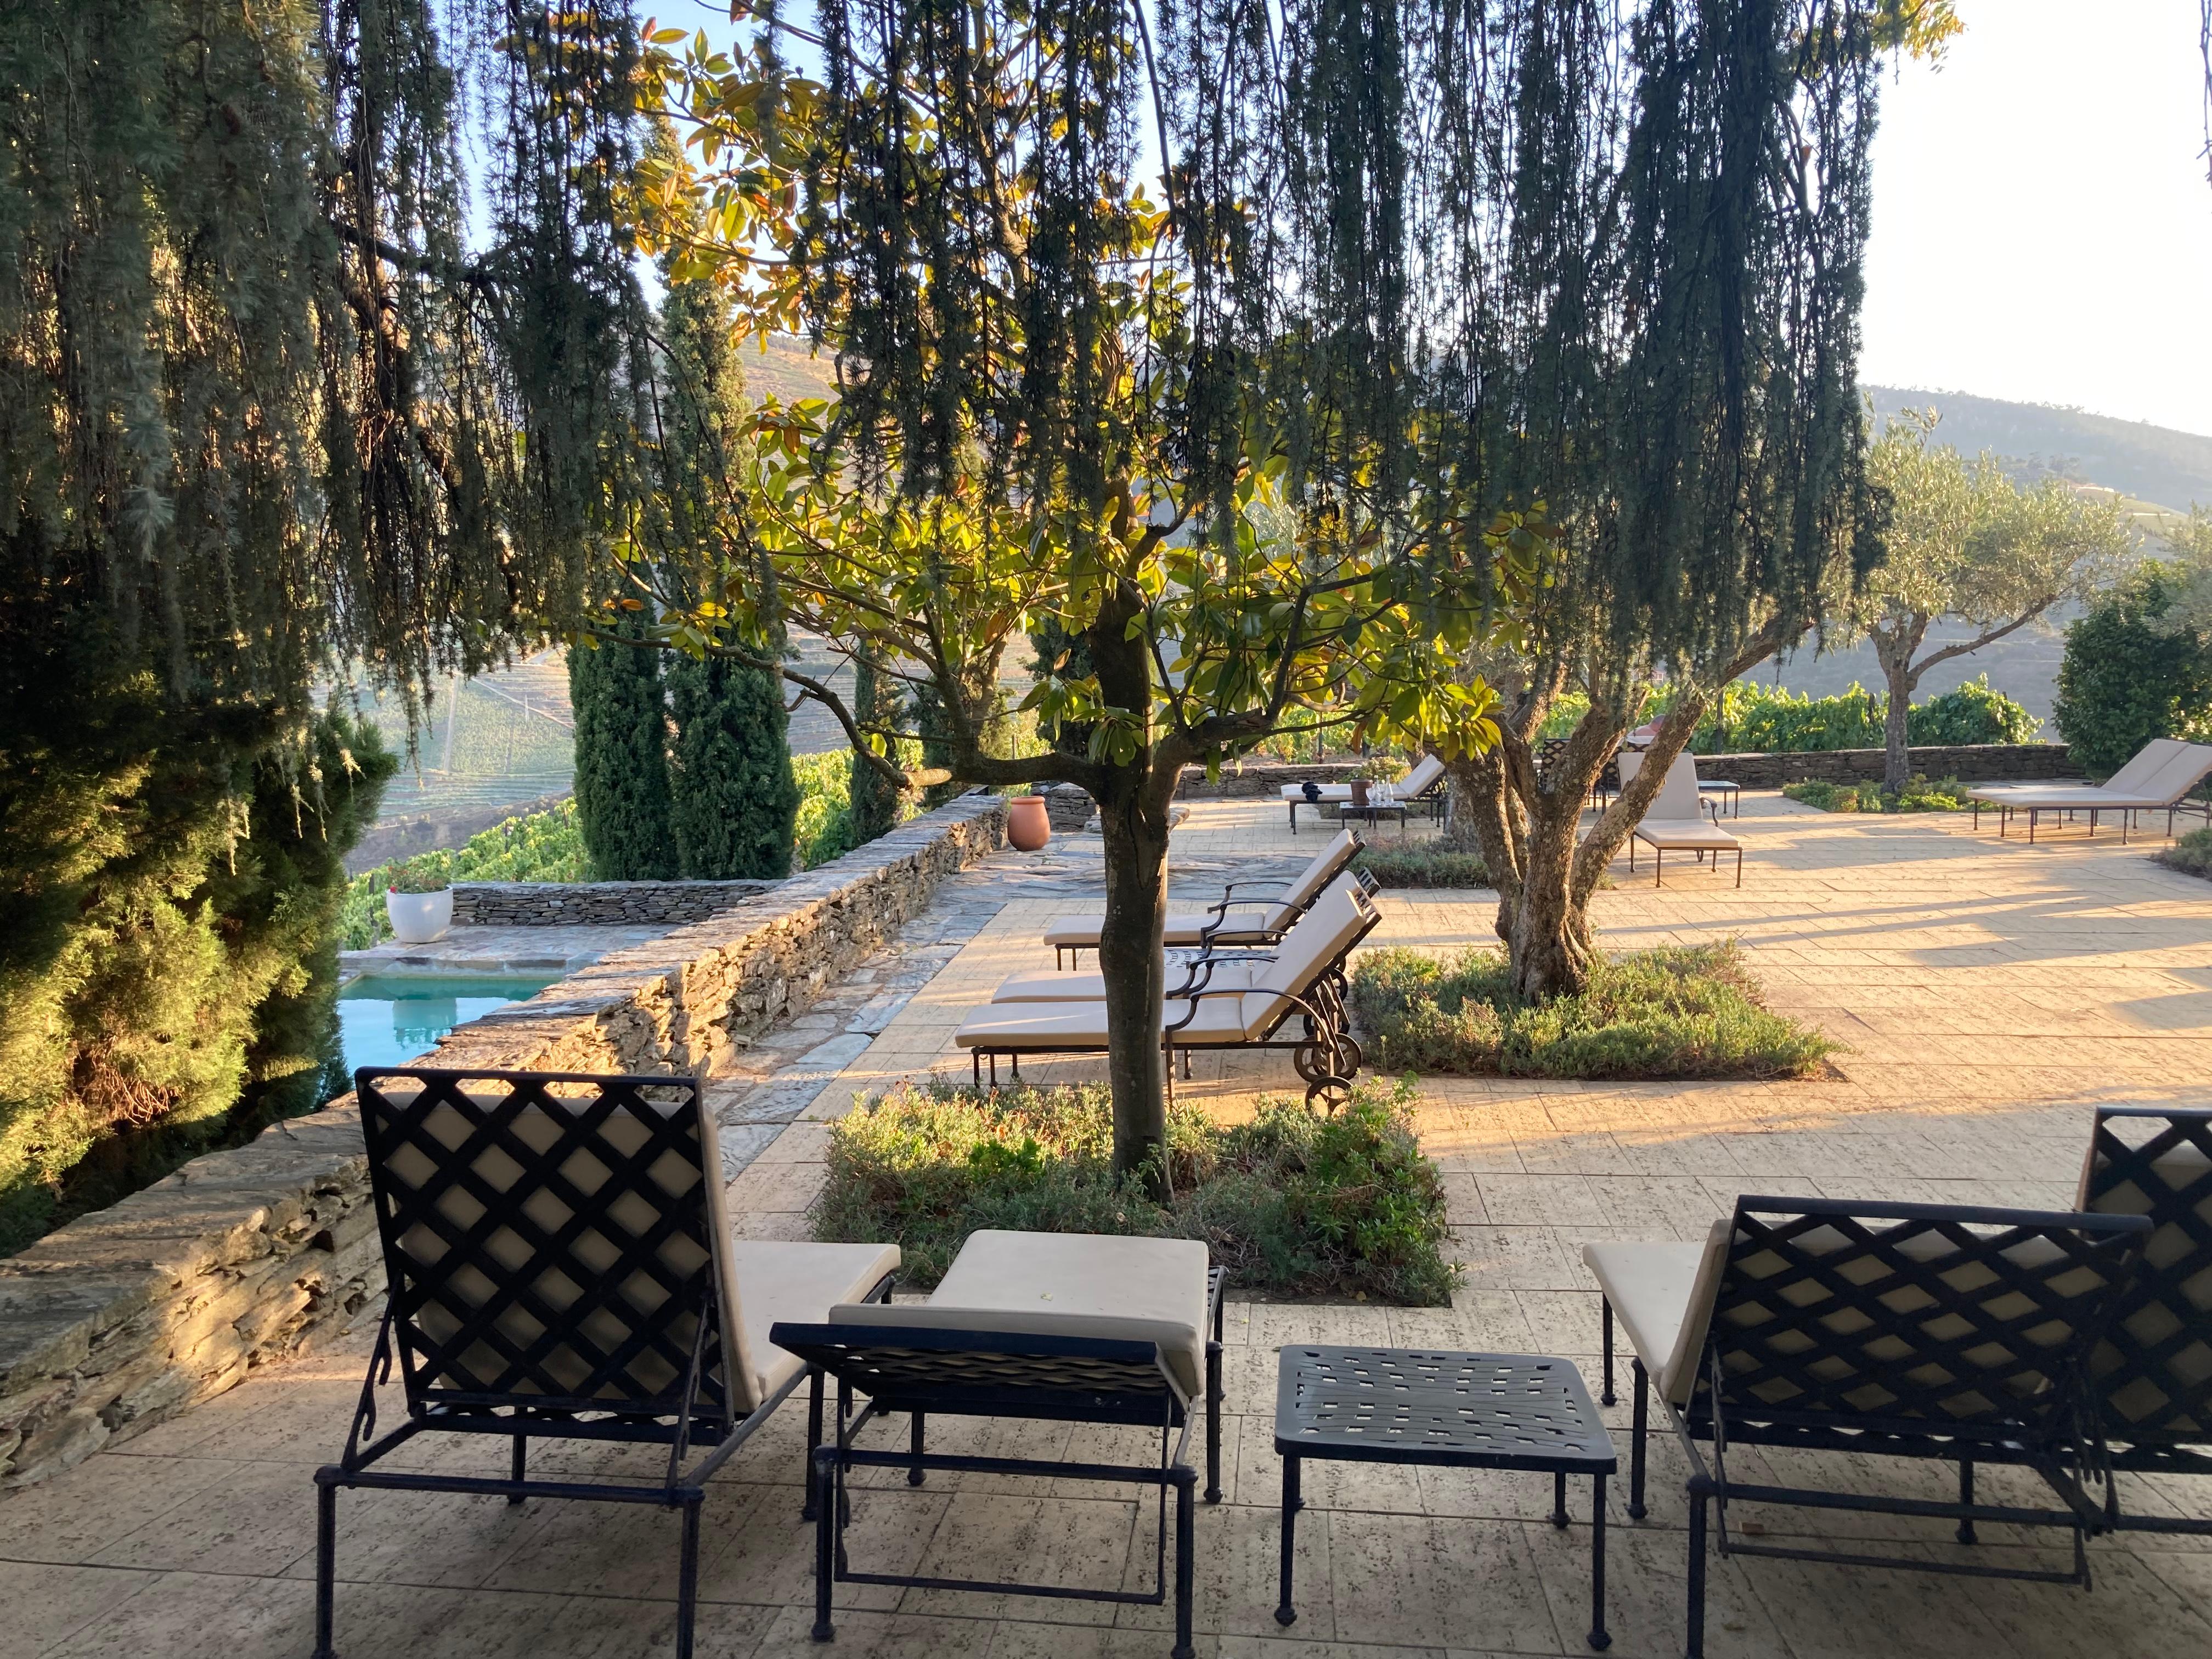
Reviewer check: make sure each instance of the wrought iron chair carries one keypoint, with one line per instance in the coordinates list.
(2151, 1373)
(1068, 1327)
(561, 1267)
(1908, 1330)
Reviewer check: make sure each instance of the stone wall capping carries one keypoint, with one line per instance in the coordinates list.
(126, 1317)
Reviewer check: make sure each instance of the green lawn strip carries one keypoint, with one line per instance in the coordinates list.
(1293, 1203)
(1679, 1012)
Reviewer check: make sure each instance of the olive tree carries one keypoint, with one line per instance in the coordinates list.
(1965, 540)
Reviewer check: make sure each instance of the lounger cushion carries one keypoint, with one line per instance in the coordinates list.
(1654, 1288)
(1039, 1027)
(1684, 832)
(1245, 924)
(1083, 1284)
(1089, 987)
(797, 1283)
(1332, 794)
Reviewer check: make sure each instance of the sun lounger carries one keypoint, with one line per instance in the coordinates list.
(1064, 1328)
(561, 1268)
(1302, 979)
(1243, 915)
(2157, 780)
(1679, 820)
(1909, 1330)
(1423, 782)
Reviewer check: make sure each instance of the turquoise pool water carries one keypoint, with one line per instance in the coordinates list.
(386, 1019)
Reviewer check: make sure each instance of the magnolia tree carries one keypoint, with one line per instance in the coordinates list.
(1964, 540)
(1154, 419)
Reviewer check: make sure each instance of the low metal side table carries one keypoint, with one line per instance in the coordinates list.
(1464, 1411)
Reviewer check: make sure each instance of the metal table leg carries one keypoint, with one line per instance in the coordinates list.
(1600, 1637)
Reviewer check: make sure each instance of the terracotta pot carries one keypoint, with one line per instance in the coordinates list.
(418, 918)
(1359, 792)
(1028, 827)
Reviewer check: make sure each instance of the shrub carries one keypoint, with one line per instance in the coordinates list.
(1678, 1012)
(1971, 713)
(2125, 680)
(824, 825)
(1422, 864)
(1918, 795)
(1291, 1203)
(2191, 854)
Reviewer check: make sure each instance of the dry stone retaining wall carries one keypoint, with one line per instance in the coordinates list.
(121, 1319)
(1977, 763)
(597, 903)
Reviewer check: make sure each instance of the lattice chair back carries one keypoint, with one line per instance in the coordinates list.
(555, 1241)
(1839, 1322)
(2153, 1368)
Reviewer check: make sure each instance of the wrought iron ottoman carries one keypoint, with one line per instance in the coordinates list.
(1464, 1411)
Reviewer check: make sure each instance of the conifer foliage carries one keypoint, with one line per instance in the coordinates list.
(736, 802)
(622, 803)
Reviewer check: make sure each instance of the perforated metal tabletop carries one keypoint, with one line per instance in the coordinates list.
(1479, 1411)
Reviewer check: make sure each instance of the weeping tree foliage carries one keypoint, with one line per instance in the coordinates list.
(874, 795)
(1658, 256)
(268, 410)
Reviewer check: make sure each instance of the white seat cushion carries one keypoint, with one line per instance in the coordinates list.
(1670, 833)
(797, 1283)
(1653, 1288)
(1089, 987)
(1090, 1284)
(1244, 924)
(1079, 1027)
(1332, 794)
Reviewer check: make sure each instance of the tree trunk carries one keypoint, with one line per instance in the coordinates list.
(1893, 652)
(1130, 961)
(1897, 760)
(1546, 927)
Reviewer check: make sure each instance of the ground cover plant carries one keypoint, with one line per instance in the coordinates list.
(1422, 864)
(2191, 854)
(1293, 1203)
(1919, 795)
(1677, 1012)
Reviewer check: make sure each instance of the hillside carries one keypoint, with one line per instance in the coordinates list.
(2154, 464)
(785, 368)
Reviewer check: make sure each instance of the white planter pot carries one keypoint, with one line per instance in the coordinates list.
(418, 918)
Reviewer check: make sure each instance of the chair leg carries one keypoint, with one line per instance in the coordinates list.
(1559, 1500)
(1697, 1621)
(687, 1579)
(825, 1525)
(1600, 1637)
(914, 1443)
(1214, 1422)
(520, 1463)
(1605, 1316)
(1186, 1481)
(1285, 1612)
(813, 1445)
(326, 1566)
(1965, 1534)
(1637, 1437)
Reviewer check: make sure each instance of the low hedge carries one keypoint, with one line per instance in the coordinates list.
(1422, 864)
(2191, 854)
(1293, 1203)
(1918, 795)
(1684, 1011)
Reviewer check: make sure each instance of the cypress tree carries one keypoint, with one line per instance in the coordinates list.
(736, 802)
(622, 761)
(876, 702)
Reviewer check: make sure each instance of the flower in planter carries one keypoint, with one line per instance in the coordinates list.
(420, 875)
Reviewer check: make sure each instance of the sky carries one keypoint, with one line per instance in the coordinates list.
(2042, 222)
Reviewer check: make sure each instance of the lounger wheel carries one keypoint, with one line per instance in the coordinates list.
(1328, 1093)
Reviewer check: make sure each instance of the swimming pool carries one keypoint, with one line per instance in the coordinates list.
(387, 1018)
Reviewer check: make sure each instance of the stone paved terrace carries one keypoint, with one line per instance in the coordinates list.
(1989, 994)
